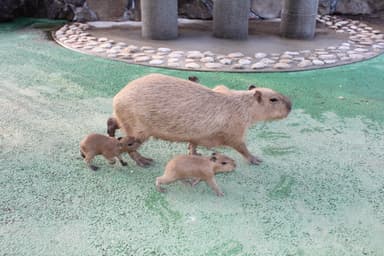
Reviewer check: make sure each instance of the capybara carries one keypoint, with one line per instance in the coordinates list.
(112, 124)
(111, 148)
(175, 109)
(197, 168)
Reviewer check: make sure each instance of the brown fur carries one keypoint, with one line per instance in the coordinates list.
(174, 109)
(112, 126)
(196, 167)
(111, 148)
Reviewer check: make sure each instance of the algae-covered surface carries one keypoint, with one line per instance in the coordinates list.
(319, 191)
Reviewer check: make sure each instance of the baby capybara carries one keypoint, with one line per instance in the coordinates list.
(197, 168)
(111, 148)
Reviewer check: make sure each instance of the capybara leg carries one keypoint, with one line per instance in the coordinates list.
(186, 182)
(212, 183)
(112, 126)
(195, 182)
(192, 149)
(242, 149)
(162, 180)
(123, 163)
(139, 159)
(82, 154)
(88, 160)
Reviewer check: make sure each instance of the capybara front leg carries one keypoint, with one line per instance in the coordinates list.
(212, 183)
(123, 163)
(139, 159)
(242, 149)
(192, 149)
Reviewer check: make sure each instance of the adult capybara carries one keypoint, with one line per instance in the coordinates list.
(175, 109)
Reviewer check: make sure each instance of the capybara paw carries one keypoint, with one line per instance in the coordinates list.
(220, 194)
(255, 160)
(161, 190)
(93, 167)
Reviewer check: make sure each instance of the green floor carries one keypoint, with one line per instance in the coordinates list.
(319, 191)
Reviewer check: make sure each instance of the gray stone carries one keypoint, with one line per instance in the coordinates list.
(318, 62)
(226, 61)
(192, 65)
(304, 63)
(259, 65)
(156, 62)
(281, 65)
(244, 62)
(207, 59)
(260, 55)
(142, 59)
(213, 65)
(236, 55)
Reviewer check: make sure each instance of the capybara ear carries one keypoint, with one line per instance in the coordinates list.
(251, 87)
(258, 96)
(213, 159)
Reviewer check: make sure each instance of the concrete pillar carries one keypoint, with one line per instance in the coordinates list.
(230, 18)
(298, 18)
(159, 19)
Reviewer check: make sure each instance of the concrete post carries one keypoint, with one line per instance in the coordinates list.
(159, 19)
(298, 19)
(230, 18)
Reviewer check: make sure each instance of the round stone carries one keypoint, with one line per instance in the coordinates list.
(142, 59)
(192, 65)
(304, 63)
(102, 39)
(318, 62)
(121, 44)
(281, 65)
(260, 55)
(175, 55)
(268, 61)
(226, 61)
(285, 61)
(145, 48)
(163, 49)
(172, 60)
(244, 62)
(207, 59)
(327, 57)
(208, 54)
(98, 50)
(259, 65)
(156, 62)
(195, 55)
(236, 55)
(213, 65)
(174, 64)
(106, 45)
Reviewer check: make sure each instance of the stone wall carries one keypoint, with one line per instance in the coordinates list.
(81, 10)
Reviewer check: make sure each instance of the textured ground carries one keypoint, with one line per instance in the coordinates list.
(319, 191)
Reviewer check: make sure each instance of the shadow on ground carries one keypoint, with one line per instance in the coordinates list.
(319, 190)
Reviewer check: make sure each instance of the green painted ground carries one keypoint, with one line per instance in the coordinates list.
(319, 191)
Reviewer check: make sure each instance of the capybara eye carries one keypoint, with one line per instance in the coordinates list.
(273, 100)
(130, 144)
(223, 163)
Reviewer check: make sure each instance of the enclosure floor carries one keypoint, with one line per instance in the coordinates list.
(319, 190)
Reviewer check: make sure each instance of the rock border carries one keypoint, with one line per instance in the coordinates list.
(363, 43)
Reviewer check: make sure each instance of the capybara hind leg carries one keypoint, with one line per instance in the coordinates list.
(88, 160)
(242, 149)
(212, 183)
(139, 159)
(163, 180)
(123, 163)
